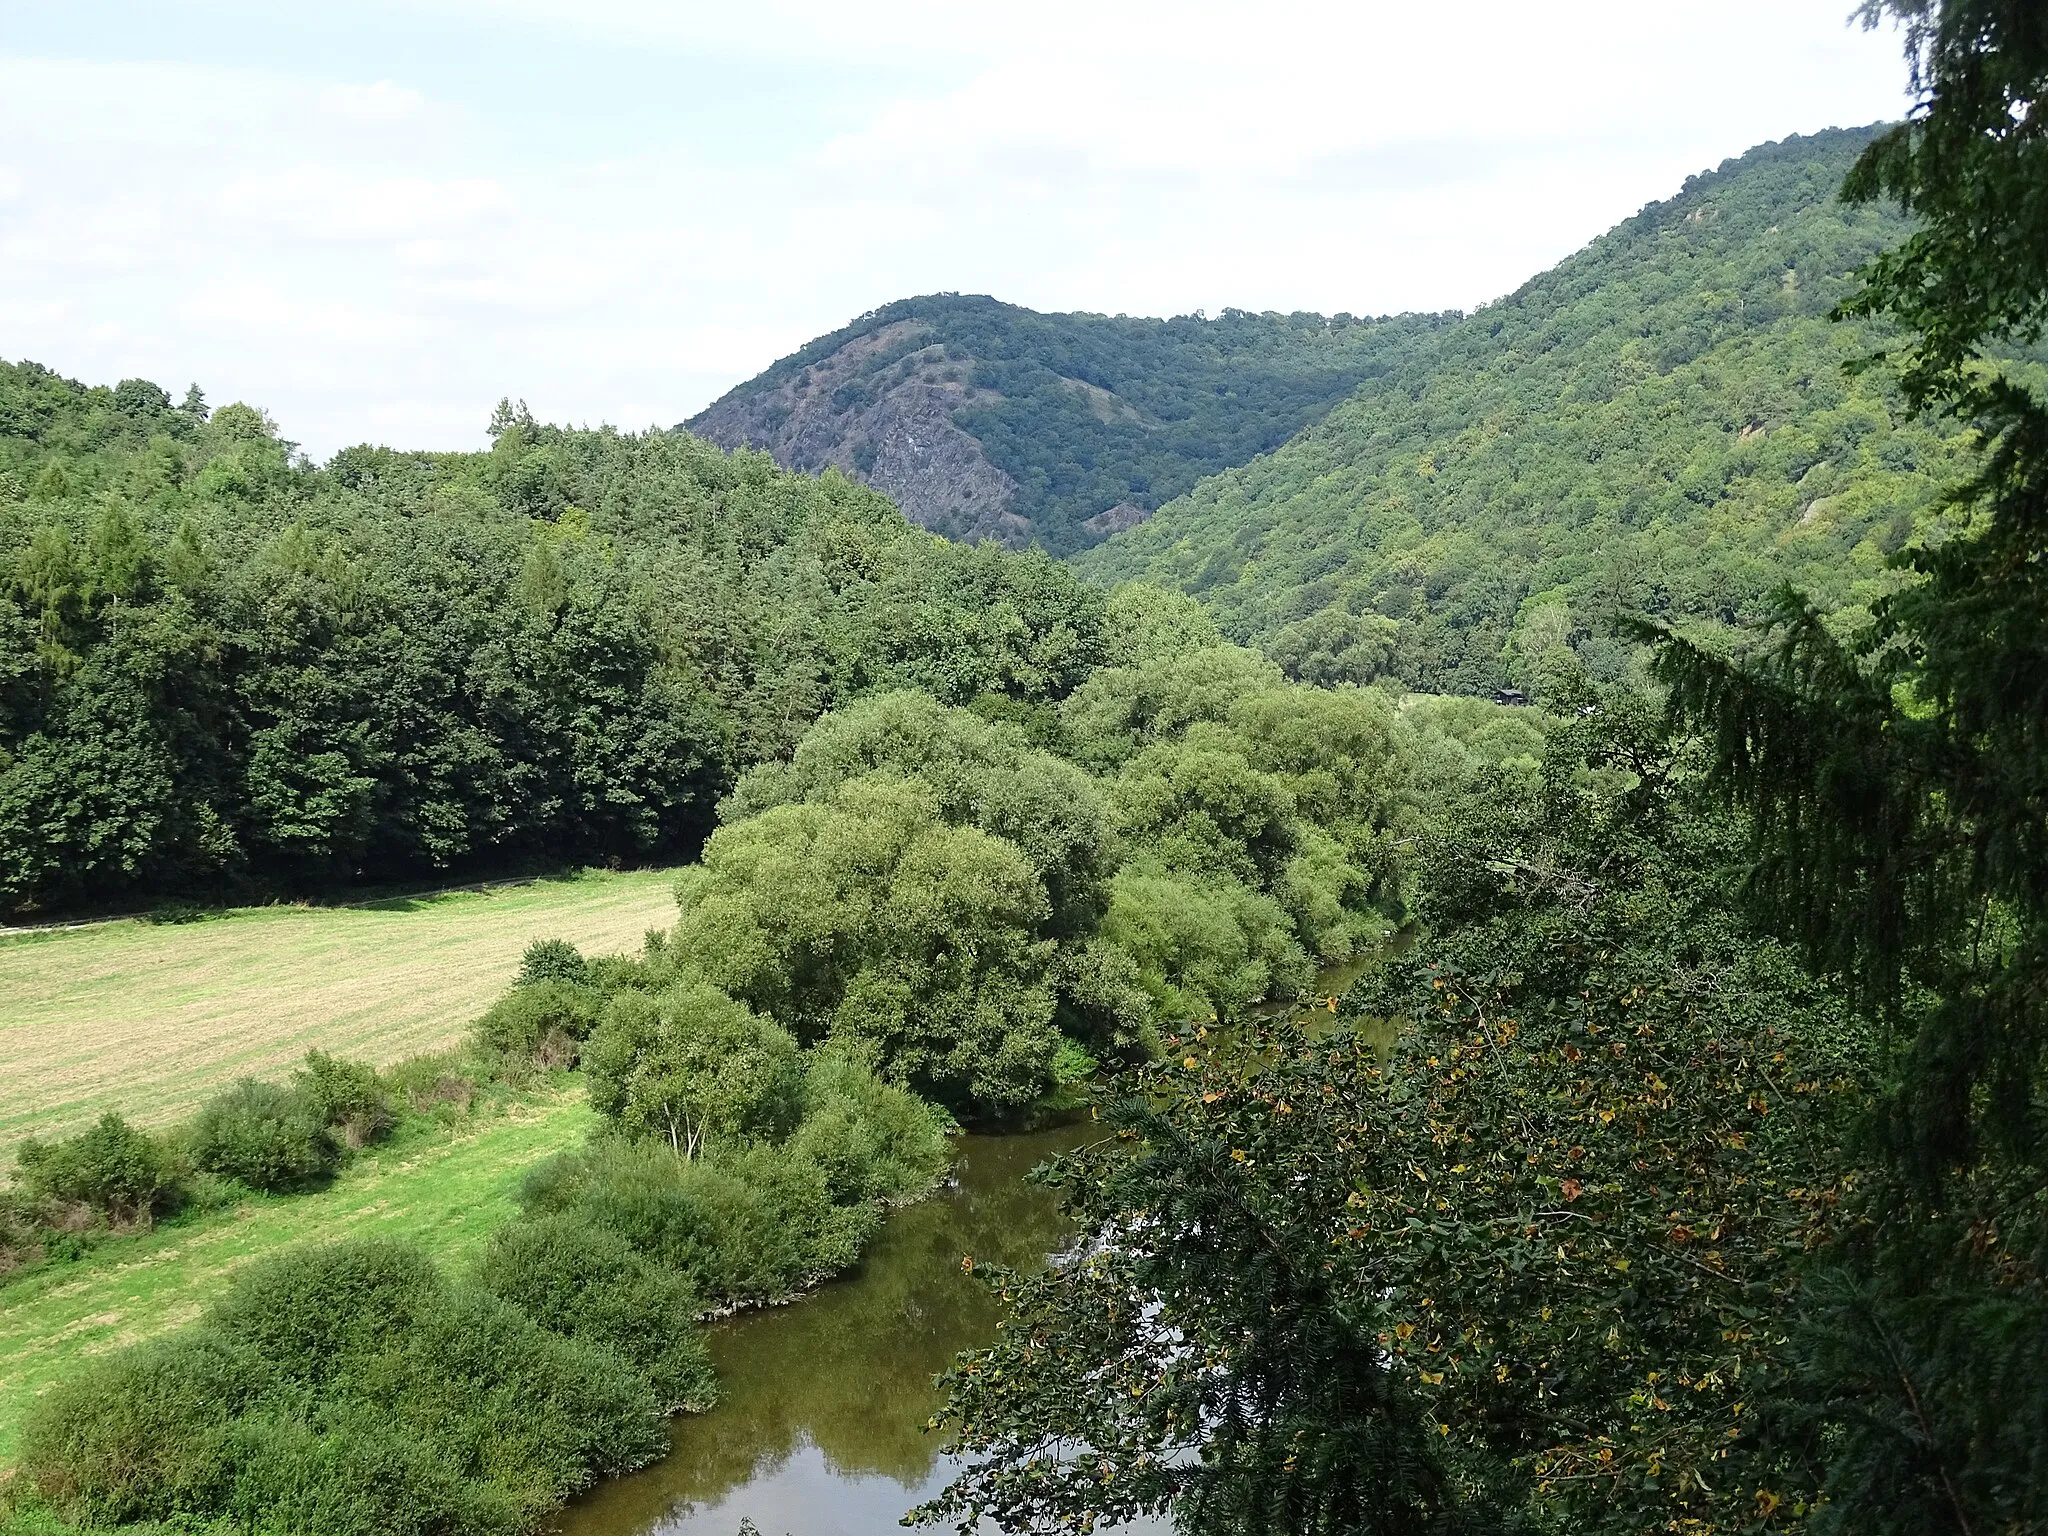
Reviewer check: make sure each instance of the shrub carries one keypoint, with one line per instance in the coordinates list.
(606, 974)
(346, 1390)
(126, 1174)
(871, 1140)
(692, 1066)
(1103, 1005)
(529, 1409)
(589, 1284)
(1204, 948)
(269, 1137)
(552, 960)
(358, 1474)
(444, 1077)
(752, 1225)
(20, 1236)
(143, 1433)
(345, 1096)
(542, 1022)
(313, 1313)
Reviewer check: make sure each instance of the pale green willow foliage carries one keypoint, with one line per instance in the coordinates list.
(690, 1065)
(978, 773)
(1260, 820)
(980, 912)
(870, 920)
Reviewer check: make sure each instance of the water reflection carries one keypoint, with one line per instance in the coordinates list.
(819, 1432)
(820, 1429)
(1335, 980)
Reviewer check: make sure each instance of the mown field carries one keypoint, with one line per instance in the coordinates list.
(150, 1019)
(445, 1191)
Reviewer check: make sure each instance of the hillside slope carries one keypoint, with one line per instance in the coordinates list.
(983, 420)
(1660, 423)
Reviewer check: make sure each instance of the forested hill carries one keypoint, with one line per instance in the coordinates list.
(1660, 423)
(983, 420)
(224, 670)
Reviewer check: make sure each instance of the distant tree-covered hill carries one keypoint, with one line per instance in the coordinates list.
(224, 670)
(986, 421)
(1660, 423)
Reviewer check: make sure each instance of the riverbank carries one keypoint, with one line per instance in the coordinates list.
(819, 1426)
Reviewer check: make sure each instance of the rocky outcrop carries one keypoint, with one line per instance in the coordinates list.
(985, 420)
(881, 408)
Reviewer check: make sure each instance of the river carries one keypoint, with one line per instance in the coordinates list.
(820, 1429)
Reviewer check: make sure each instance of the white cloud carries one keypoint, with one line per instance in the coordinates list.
(386, 256)
(384, 102)
(330, 202)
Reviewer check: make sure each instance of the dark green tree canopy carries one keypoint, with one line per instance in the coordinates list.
(1971, 162)
(224, 669)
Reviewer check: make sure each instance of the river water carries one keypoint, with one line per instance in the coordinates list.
(820, 1429)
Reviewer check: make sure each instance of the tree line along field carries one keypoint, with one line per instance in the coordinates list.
(150, 1019)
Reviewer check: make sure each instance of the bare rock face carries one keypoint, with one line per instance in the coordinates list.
(986, 420)
(892, 428)
(1119, 517)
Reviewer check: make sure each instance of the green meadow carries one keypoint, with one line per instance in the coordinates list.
(150, 1019)
(446, 1190)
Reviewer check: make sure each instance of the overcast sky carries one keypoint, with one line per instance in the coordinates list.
(375, 219)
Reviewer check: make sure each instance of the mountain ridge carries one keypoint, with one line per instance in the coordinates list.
(986, 420)
(1667, 421)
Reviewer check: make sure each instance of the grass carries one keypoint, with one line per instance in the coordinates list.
(151, 1019)
(445, 1191)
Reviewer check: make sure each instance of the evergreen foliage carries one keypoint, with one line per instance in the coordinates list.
(1969, 162)
(1686, 1175)
(1657, 1221)
(1896, 773)
(1530, 1270)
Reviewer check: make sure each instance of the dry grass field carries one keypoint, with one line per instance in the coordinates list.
(150, 1019)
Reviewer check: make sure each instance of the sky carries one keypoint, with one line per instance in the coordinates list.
(375, 220)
